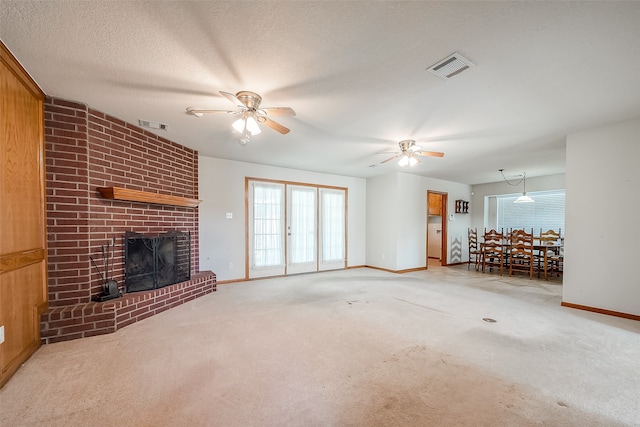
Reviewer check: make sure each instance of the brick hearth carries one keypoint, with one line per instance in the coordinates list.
(87, 149)
(96, 318)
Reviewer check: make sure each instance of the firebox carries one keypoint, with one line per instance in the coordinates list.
(152, 262)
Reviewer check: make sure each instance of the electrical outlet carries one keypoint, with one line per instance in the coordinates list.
(229, 215)
(1, 334)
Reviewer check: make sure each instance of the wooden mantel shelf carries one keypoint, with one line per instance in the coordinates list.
(117, 193)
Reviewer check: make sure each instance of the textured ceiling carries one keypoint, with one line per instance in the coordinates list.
(354, 72)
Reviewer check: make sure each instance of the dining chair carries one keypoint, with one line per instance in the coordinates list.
(474, 252)
(548, 244)
(555, 263)
(493, 250)
(521, 258)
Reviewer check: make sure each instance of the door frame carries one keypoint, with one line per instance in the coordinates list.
(444, 200)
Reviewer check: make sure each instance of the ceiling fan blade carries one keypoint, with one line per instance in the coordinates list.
(391, 158)
(430, 153)
(279, 111)
(234, 99)
(273, 125)
(199, 112)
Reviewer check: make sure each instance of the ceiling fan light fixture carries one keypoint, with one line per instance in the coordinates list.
(250, 115)
(239, 125)
(403, 161)
(252, 126)
(407, 161)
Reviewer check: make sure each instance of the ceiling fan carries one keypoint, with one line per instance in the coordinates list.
(409, 152)
(248, 104)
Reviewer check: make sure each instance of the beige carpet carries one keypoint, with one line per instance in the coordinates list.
(348, 348)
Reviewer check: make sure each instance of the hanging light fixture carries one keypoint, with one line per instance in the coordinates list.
(246, 126)
(407, 160)
(524, 198)
(252, 126)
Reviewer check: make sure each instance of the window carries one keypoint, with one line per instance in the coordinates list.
(547, 213)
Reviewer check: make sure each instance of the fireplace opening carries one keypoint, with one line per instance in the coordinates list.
(153, 262)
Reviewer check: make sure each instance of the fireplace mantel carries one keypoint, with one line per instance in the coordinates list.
(118, 193)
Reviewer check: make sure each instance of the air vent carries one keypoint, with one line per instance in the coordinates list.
(152, 125)
(450, 66)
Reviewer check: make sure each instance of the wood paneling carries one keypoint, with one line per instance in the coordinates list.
(23, 281)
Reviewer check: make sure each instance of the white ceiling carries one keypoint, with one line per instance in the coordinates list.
(354, 72)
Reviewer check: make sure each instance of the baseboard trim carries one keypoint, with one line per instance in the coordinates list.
(601, 311)
(249, 279)
(226, 282)
(409, 270)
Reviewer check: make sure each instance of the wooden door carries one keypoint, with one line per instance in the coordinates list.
(23, 274)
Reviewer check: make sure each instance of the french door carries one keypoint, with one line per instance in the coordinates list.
(294, 229)
(302, 229)
(332, 229)
(266, 229)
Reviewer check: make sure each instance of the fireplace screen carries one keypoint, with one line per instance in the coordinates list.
(154, 262)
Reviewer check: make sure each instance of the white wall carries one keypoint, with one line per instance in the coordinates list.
(222, 190)
(382, 221)
(602, 211)
(397, 218)
(411, 243)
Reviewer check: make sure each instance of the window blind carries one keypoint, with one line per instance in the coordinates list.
(546, 213)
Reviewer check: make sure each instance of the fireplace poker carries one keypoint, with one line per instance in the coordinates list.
(97, 269)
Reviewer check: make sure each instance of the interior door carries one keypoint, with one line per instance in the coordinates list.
(266, 221)
(302, 229)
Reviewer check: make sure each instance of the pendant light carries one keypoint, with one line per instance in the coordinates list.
(524, 198)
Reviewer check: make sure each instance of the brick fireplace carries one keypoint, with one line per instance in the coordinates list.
(85, 150)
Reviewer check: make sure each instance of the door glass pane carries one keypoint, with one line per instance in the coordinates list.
(303, 225)
(333, 225)
(267, 225)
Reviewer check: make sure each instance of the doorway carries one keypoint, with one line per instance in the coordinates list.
(437, 227)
